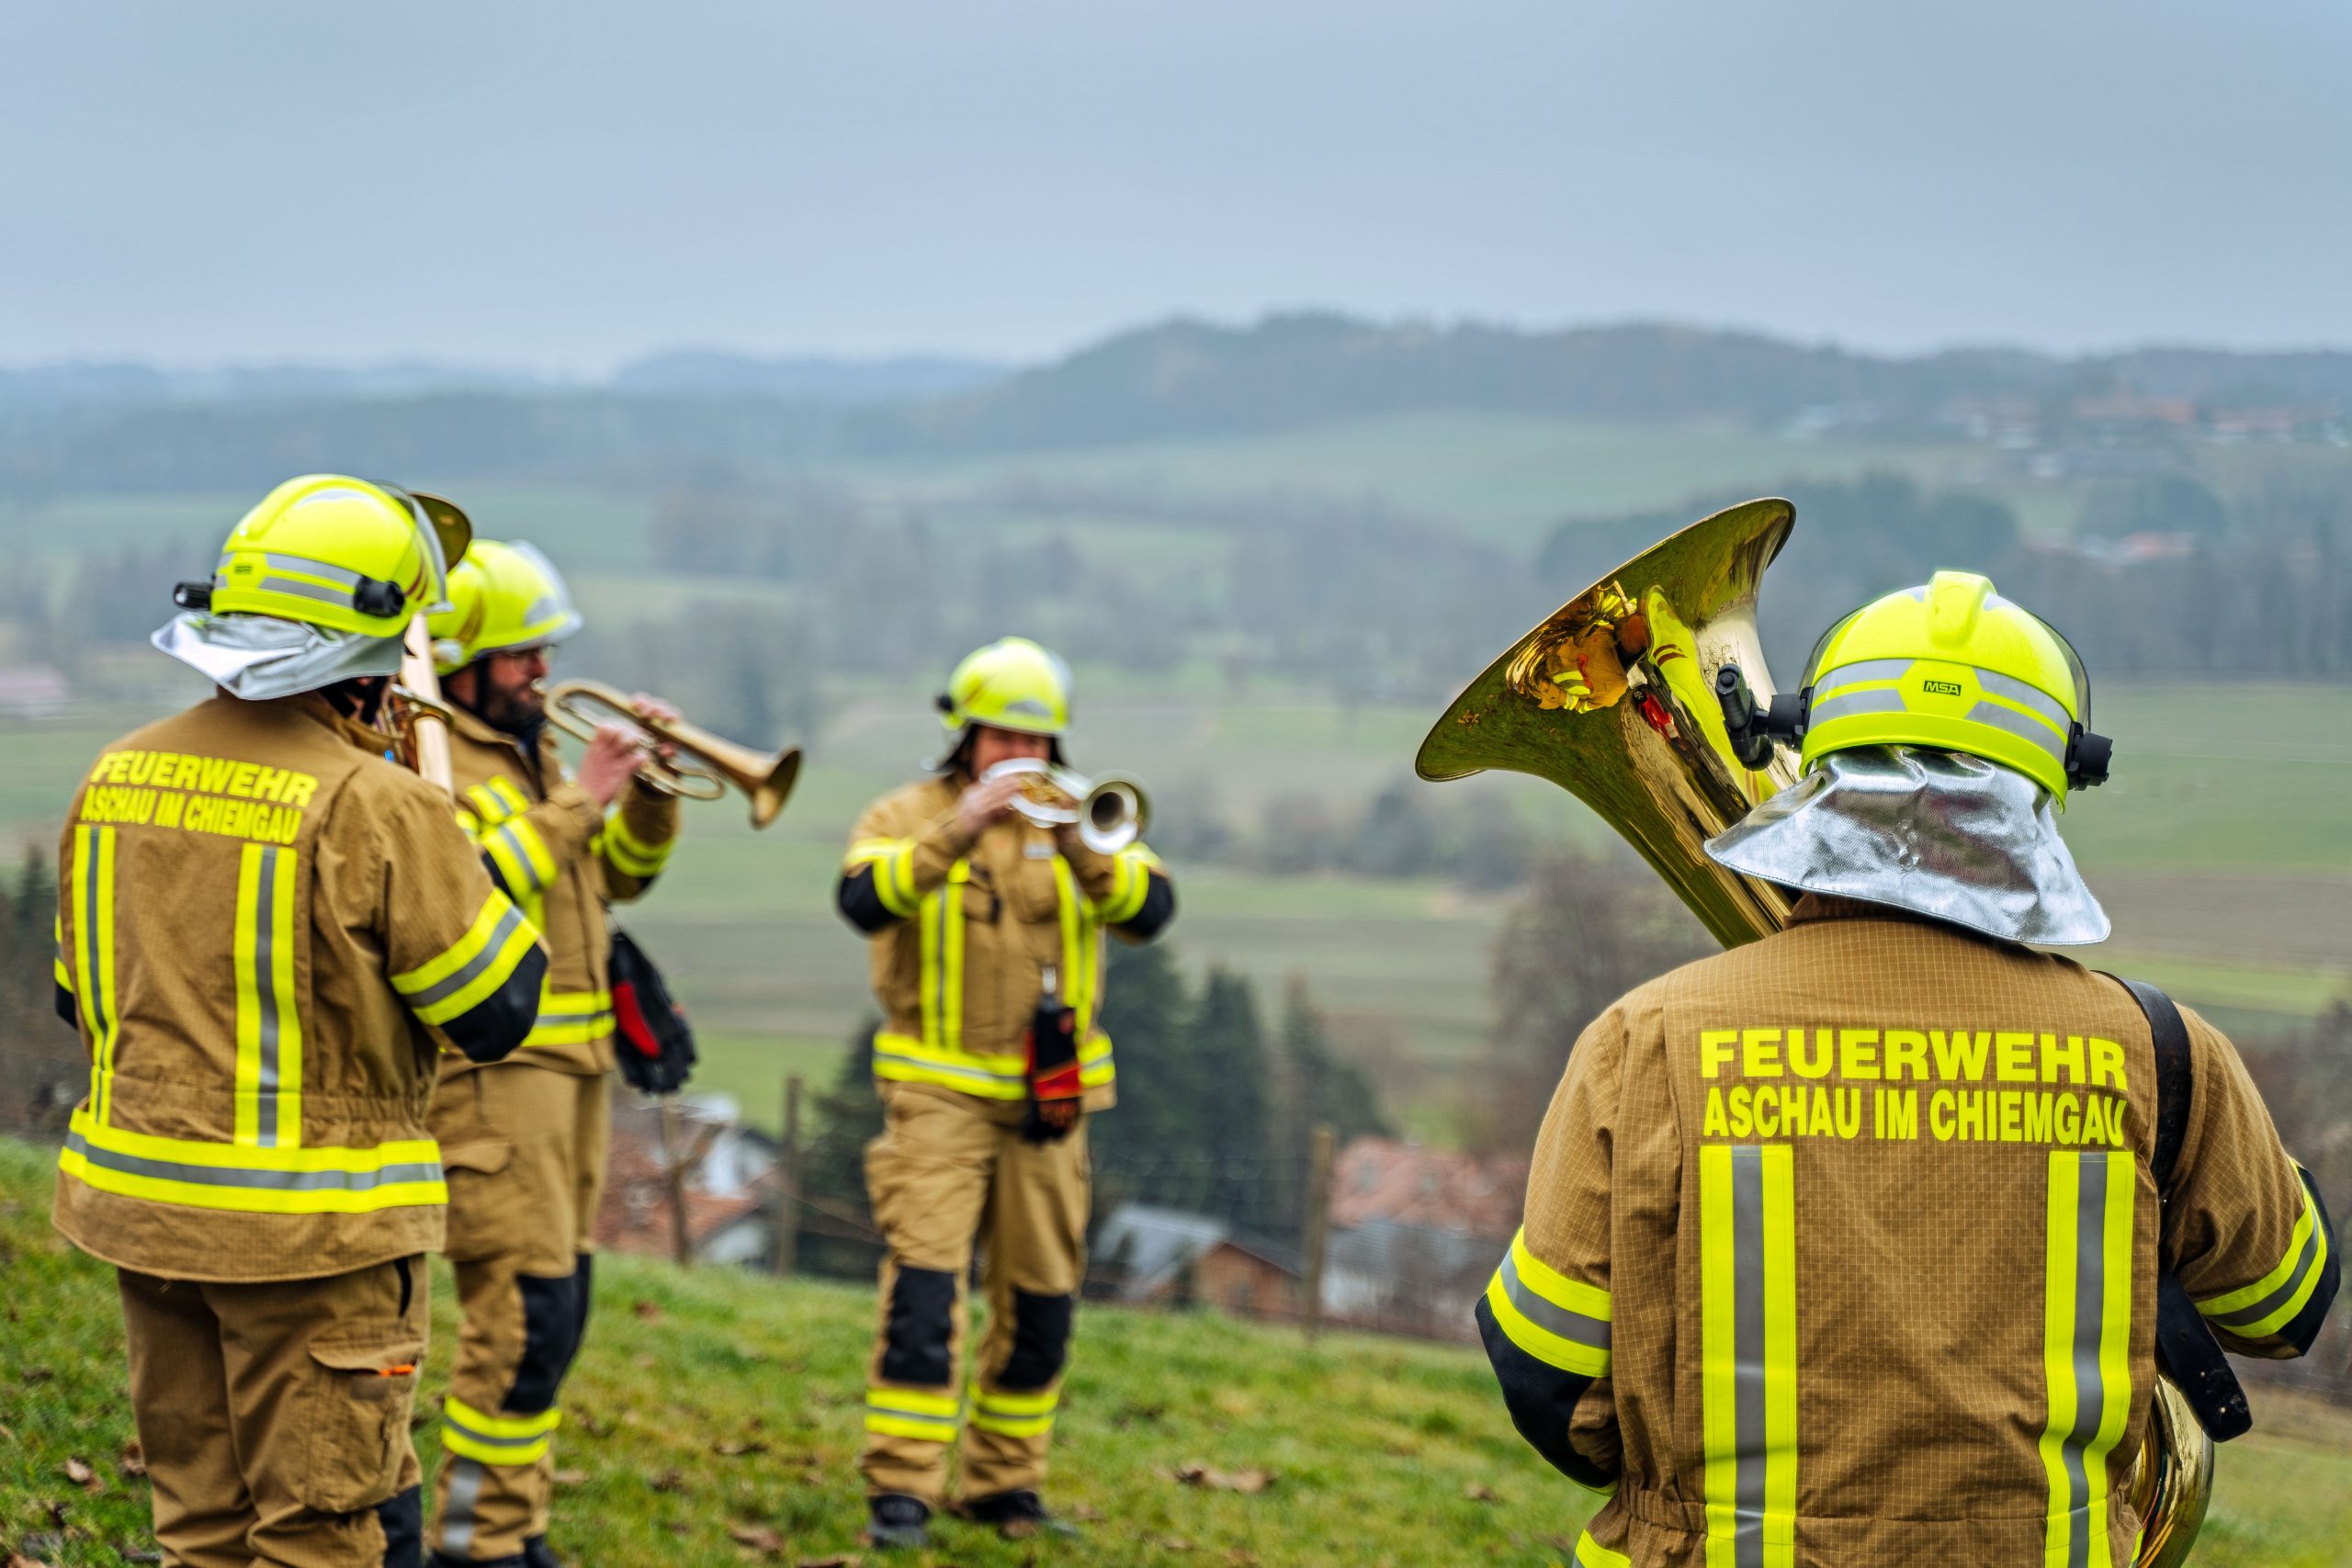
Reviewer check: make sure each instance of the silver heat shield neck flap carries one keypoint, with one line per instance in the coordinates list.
(261, 657)
(1938, 833)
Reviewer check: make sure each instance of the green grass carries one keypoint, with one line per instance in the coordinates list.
(1375, 1445)
(715, 1400)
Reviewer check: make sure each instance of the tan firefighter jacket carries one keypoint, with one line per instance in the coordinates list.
(267, 933)
(562, 859)
(1841, 1250)
(966, 933)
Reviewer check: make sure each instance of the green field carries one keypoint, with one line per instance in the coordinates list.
(715, 1408)
(2222, 848)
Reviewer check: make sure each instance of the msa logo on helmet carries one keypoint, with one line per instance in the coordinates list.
(1941, 688)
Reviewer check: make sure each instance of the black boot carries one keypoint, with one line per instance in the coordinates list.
(537, 1554)
(1017, 1515)
(895, 1519)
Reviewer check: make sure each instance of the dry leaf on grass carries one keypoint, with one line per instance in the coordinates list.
(756, 1538)
(1480, 1491)
(1172, 1543)
(736, 1448)
(78, 1471)
(18, 1559)
(846, 1559)
(133, 1460)
(668, 1481)
(1247, 1482)
(569, 1477)
(648, 1311)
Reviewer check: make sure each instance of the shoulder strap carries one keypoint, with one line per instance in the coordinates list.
(2186, 1348)
(2176, 1077)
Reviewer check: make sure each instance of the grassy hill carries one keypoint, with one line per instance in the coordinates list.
(714, 1420)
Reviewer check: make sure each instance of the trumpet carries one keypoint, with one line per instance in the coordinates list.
(1110, 812)
(706, 764)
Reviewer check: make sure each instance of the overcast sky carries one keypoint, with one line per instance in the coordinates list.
(564, 185)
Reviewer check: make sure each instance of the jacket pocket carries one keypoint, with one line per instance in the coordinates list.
(356, 1409)
(478, 1227)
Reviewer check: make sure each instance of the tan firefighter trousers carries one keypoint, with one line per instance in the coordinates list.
(275, 1418)
(951, 1171)
(524, 1148)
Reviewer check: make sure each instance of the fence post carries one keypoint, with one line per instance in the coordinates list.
(1318, 1226)
(673, 1162)
(784, 1237)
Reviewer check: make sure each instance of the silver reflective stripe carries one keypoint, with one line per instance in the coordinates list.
(457, 1513)
(2090, 1394)
(1543, 1314)
(513, 842)
(1862, 672)
(876, 1407)
(265, 994)
(537, 1439)
(2304, 1261)
(1846, 705)
(308, 568)
(273, 1181)
(1747, 1338)
(957, 1069)
(2019, 724)
(2032, 698)
(305, 590)
(449, 986)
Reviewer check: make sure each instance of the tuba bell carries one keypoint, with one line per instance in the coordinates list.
(1620, 698)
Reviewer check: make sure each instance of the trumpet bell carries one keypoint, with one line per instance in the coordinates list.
(708, 765)
(1111, 813)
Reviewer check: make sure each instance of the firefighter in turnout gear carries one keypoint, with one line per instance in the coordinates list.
(988, 936)
(525, 1142)
(268, 934)
(1853, 1246)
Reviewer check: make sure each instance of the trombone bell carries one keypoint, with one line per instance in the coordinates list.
(708, 765)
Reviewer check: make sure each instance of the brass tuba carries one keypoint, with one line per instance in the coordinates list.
(706, 765)
(1620, 698)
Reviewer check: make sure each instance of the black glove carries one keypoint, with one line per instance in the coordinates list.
(656, 1049)
(1054, 1087)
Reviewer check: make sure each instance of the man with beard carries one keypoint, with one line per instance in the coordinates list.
(525, 1146)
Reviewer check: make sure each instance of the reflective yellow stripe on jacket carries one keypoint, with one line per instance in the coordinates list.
(893, 861)
(94, 934)
(572, 1018)
(269, 1022)
(938, 1056)
(1558, 1320)
(1081, 970)
(471, 968)
(2272, 1302)
(253, 1180)
(1748, 1292)
(2085, 1346)
(631, 855)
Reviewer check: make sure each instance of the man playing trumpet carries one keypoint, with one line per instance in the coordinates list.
(988, 962)
(525, 1146)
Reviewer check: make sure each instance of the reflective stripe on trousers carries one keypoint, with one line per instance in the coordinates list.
(2085, 1346)
(1748, 1353)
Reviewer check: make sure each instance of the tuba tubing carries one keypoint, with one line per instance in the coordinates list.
(1619, 698)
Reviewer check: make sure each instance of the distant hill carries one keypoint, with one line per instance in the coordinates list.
(1190, 378)
(692, 413)
(711, 373)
